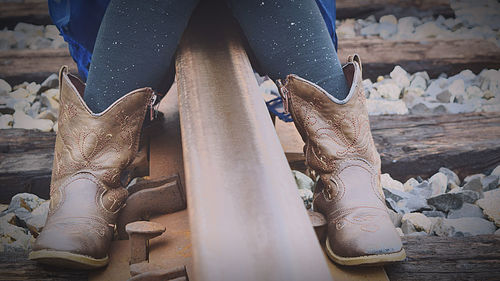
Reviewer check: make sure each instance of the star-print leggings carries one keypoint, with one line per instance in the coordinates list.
(137, 40)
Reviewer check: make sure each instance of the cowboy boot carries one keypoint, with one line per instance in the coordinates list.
(91, 154)
(339, 148)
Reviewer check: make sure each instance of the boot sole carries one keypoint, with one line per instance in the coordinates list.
(365, 260)
(67, 259)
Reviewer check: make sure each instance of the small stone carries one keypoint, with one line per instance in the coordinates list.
(422, 190)
(13, 236)
(489, 182)
(3, 207)
(457, 88)
(55, 128)
(395, 217)
(463, 227)
(6, 121)
(444, 96)
(496, 171)
(36, 221)
(384, 107)
(51, 82)
(303, 181)
(23, 121)
(386, 29)
(390, 91)
(4, 87)
(491, 205)
(47, 114)
(20, 93)
(407, 227)
(50, 99)
(474, 185)
(33, 88)
(445, 202)
(380, 78)
(370, 30)
(389, 19)
(467, 210)
(22, 204)
(418, 82)
(39, 43)
(51, 32)
(346, 29)
(401, 234)
(410, 184)
(400, 76)
(438, 183)
(471, 177)
(419, 221)
(307, 197)
(388, 182)
(430, 30)
(403, 202)
(452, 177)
(434, 214)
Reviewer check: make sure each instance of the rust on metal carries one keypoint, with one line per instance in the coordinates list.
(143, 270)
(139, 233)
(149, 198)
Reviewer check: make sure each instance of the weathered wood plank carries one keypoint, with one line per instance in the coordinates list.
(428, 258)
(15, 266)
(409, 146)
(379, 56)
(446, 258)
(17, 66)
(434, 56)
(30, 11)
(419, 145)
(401, 8)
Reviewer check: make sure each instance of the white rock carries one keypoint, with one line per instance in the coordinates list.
(20, 93)
(6, 121)
(386, 29)
(47, 114)
(406, 26)
(51, 32)
(387, 181)
(491, 205)
(445, 96)
(400, 76)
(463, 227)
(33, 88)
(39, 43)
(50, 99)
(4, 87)
(23, 121)
(418, 82)
(438, 182)
(431, 30)
(303, 181)
(419, 221)
(410, 184)
(346, 29)
(370, 30)
(382, 107)
(457, 88)
(496, 171)
(55, 128)
(388, 90)
(389, 19)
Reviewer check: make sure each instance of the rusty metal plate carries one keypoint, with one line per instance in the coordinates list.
(169, 251)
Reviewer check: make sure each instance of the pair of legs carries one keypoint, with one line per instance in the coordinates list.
(138, 39)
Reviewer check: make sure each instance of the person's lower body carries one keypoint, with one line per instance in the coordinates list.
(135, 47)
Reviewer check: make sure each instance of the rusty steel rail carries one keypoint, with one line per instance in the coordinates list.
(247, 219)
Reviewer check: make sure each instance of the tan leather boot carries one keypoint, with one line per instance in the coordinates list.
(91, 153)
(339, 148)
